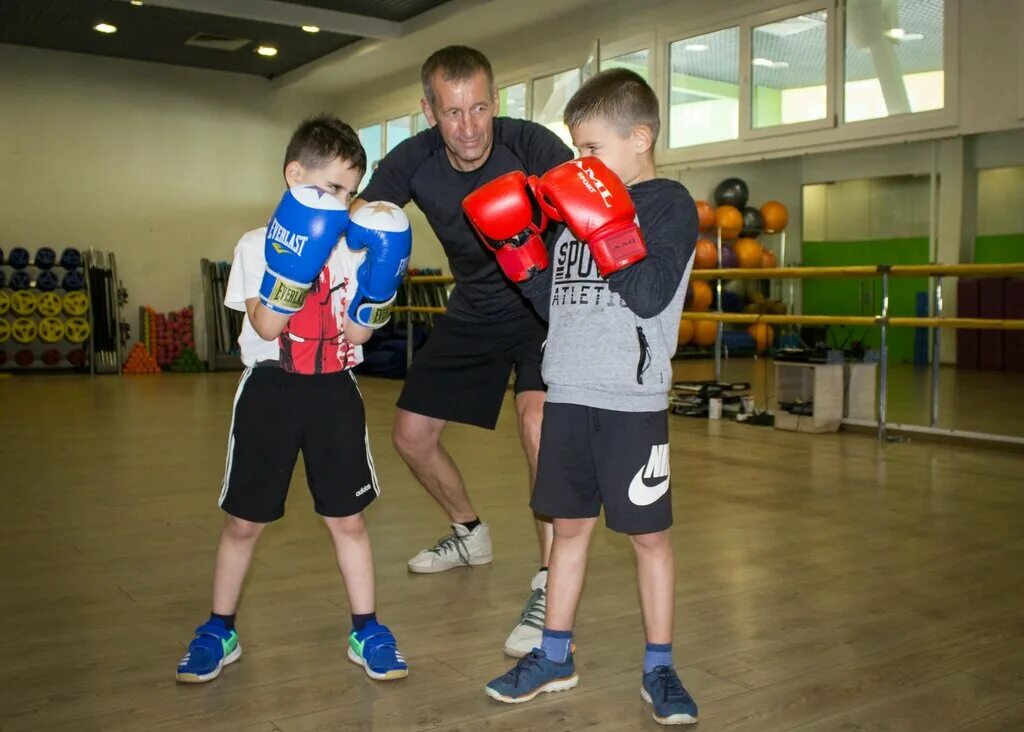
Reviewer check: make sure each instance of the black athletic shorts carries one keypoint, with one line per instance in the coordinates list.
(592, 457)
(278, 414)
(461, 373)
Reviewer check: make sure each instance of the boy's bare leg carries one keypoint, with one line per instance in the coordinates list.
(355, 560)
(234, 555)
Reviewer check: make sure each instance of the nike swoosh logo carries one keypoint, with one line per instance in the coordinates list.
(643, 494)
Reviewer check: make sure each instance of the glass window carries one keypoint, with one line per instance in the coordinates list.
(420, 122)
(550, 95)
(788, 74)
(705, 89)
(894, 58)
(512, 101)
(372, 138)
(398, 129)
(638, 61)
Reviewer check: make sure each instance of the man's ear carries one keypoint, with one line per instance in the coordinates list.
(428, 112)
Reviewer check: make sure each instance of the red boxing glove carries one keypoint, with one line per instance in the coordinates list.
(596, 207)
(502, 213)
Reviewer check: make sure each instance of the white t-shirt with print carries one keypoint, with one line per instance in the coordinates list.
(313, 341)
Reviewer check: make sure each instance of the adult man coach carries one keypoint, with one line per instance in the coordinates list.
(489, 330)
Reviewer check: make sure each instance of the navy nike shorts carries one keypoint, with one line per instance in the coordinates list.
(593, 457)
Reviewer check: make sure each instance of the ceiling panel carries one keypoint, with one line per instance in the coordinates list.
(396, 10)
(151, 33)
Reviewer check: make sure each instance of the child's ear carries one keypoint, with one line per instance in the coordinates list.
(293, 173)
(643, 139)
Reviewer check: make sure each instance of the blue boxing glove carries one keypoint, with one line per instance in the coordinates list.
(382, 229)
(301, 235)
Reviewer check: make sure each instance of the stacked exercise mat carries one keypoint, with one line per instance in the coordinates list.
(45, 310)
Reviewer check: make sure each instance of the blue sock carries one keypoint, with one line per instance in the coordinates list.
(657, 654)
(555, 644)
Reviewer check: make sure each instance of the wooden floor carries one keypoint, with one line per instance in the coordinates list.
(825, 582)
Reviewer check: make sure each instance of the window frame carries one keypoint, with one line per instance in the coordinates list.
(948, 116)
(412, 124)
(830, 120)
(665, 100)
(816, 135)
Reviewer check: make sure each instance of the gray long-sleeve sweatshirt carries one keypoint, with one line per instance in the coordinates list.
(611, 341)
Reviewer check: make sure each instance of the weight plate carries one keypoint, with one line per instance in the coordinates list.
(49, 304)
(76, 330)
(51, 330)
(24, 330)
(5, 330)
(5, 303)
(23, 302)
(76, 303)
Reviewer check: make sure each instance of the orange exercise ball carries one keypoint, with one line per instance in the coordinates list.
(685, 333)
(775, 216)
(698, 297)
(706, 255)
(768, 260)
(749, 253)
(705, 332)
(705, 216)
(729, 220)
(763, 336)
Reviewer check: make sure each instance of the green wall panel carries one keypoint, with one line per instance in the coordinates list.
(999, 249)
(863, 296)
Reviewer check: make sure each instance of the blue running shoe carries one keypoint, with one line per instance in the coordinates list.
(376, 650)
(534, 674)
(664, 691)
(213, 648)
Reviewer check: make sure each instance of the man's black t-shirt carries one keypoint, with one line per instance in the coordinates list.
(418, 169)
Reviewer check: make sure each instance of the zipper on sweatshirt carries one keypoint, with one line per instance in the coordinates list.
(645, 355)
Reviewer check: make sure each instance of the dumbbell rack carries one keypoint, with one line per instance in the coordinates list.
(38, 346)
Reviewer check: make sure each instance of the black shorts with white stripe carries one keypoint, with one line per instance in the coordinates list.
(592, 457)
(276, 416)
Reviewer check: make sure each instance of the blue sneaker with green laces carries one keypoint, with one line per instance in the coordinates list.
(672, 704)
(376, 650)
(213, 648)
(534, 674)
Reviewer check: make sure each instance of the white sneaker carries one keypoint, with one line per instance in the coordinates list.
(461, 548)
(527, 634)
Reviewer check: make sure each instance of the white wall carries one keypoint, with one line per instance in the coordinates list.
(160, 165)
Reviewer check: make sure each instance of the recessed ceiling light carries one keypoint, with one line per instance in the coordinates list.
(266, 50)
(311, 28)
(136, 3)
(695, 47)
(105, 28)
(768, 63)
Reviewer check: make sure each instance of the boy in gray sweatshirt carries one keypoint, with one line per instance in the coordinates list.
(611, 289)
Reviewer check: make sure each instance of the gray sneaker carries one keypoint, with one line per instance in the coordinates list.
(527, 633)
(461, 548)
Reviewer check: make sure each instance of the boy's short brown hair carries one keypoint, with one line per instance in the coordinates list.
(320, 139)
(619, 96)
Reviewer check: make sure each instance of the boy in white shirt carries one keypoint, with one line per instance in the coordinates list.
(298, 394)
